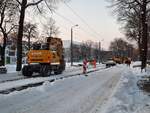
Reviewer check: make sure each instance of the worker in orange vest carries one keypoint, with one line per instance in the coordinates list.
(85, 66)
(94, 63)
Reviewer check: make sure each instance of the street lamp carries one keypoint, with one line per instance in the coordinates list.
(71, 56)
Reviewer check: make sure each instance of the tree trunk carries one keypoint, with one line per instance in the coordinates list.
(140, 47)
(20, 35)
(144, 34)
(29, 43)
(3, 56)
(3, 50)
(3, 47)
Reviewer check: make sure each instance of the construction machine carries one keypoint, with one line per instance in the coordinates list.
(118, 59)
(121, 59)
(45, 58)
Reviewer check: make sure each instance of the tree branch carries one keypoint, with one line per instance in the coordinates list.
(148, 10)
(34, 3)
(2, 15)
(48, 6)
(138, 2)
(12, 27)
(148, 1)
(38, 9)
(18, 2)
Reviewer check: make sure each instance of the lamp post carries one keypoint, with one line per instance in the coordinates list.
(71, 56)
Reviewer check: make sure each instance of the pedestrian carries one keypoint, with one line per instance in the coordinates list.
(127, 61)
(85, 66)
(94, 62)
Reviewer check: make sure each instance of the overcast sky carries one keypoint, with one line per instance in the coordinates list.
(95, 21)
(102, 26)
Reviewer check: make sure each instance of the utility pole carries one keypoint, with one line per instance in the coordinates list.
(71, 56)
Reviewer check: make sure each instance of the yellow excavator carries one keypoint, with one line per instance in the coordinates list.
(120, 59)
(45, 58)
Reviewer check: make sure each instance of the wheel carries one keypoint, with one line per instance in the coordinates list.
(45, 71)
(27, 71)
(42, 71)
(55, 72)
(58, 71)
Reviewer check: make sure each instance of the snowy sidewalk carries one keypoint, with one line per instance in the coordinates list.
(127, 97)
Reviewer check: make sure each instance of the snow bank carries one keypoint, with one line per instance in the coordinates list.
(127, 98)
(136, 63)
(11, 68)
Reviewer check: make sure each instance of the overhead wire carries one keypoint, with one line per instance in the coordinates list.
(64, 17)
(82, 20)
(68, 20)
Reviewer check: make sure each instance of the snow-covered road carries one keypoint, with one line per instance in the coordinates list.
(11, 81)
(78, 94)
(13, 75)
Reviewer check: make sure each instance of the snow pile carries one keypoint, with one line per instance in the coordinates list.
(11, 68)
(136, 63)
(137, 70)
(127, 98)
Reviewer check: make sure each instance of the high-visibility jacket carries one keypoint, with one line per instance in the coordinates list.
(84, 66)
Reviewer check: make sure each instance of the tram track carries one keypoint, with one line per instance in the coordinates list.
(50, 79)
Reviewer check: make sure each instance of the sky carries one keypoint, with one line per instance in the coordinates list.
(95, 21)
(94, 18)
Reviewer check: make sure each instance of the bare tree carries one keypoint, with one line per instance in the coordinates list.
(50, 28)
(96, 51)
(83, 50)
(8, 14)
(24, 4)
(125, 10)
(86, 49)
(121, 47)
(30, 31)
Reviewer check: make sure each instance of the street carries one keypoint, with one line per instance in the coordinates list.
(78, 94)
